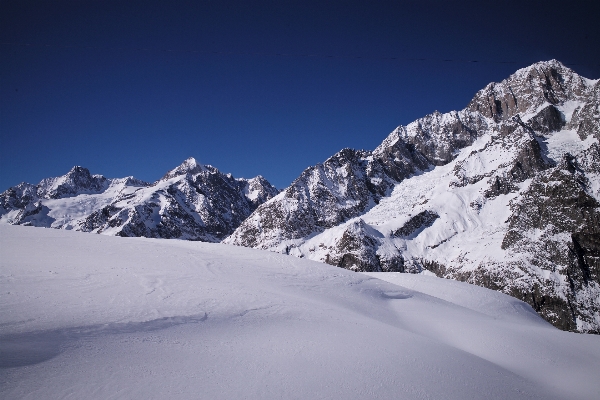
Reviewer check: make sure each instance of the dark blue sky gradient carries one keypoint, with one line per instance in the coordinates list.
(134, 88)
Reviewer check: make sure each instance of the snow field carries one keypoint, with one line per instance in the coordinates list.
(94, 316)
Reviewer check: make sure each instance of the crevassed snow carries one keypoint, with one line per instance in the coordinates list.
(567, 141)
(568, 107)
(93, 316)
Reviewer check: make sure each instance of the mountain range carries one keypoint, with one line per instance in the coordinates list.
(504, 194)
(192, 201)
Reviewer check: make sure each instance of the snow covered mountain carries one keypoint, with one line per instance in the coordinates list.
(192, 201)
(504, 194)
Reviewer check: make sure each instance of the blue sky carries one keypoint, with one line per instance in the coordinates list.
(262, 87)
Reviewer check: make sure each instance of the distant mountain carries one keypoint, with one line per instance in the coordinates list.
(192, 201)
(503, 194)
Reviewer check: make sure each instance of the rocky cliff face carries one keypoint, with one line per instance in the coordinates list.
(192, 201)
(504, 194)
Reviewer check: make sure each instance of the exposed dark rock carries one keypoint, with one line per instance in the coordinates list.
(18, 196)
(437, 138)
(325, 195)
(420, 221)
(527, 163)
(586, 120)
(357, 250)
(350, 182)
(546, 253)
(557, 204)
(549, 119)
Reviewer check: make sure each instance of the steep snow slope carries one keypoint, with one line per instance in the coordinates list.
(192, 201)
(504, 194)
(93, 316)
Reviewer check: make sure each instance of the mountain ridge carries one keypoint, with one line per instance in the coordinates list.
(442, 192)
(192, 201)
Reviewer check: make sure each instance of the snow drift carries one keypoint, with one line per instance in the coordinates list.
(94, 316)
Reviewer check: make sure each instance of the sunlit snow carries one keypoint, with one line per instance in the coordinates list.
(87, 316)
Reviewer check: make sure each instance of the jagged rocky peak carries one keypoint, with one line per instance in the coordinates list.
(529, 88)
(258, 190)
(438, 136)
(530, 92)
(189, 166)
(77, 181)
(18, 196)
(351, 181)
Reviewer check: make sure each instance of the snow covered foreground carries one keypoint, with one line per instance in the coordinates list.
(92, 316)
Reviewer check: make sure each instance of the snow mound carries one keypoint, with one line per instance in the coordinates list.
(94, 316)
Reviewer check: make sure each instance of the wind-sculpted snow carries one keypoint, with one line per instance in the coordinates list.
(97, 317)
(504, 194)
(193, 201)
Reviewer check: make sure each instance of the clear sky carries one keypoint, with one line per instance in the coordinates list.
(252, 87)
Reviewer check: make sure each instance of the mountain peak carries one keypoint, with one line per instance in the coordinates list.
(191, 161)
(550, 63)
(78, 170)
(529, 88)
(189, 166)
(77, 181)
